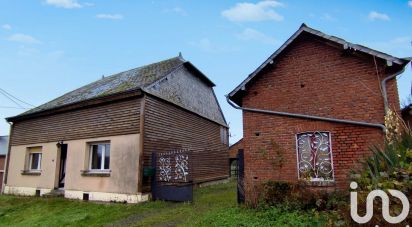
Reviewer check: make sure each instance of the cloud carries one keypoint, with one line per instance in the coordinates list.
(55, 55)
(250, 34)
(6, 26)
(373, 15)
(26, 51)
(22, 38)
(410, 3)
(67, 4)
(88, 4)
(176, 10)
(261, 11)
(398, 46)
(206, 45)
(109, 16)
(327, 17)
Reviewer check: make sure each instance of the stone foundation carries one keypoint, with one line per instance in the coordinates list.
(107, 197)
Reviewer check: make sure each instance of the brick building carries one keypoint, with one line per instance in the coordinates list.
(233, 151)
(313, 109)
(4, 145)
(407, 115)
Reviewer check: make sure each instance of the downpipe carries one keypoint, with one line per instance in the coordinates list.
(304, 116)
(384, 92)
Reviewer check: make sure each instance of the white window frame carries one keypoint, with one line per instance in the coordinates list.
(331, 155)
(38, 163)
(102, 169)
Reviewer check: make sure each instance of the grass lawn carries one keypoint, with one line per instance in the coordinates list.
(213, 206)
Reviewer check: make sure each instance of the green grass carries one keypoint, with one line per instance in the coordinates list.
(213, 206)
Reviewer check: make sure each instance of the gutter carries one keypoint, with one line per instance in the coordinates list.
(304, 116)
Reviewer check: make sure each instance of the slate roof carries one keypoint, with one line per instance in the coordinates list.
(134, 79)
(4, 145)
(120, 82)
(306, 29)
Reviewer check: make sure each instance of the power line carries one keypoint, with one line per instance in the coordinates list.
(16, 98)
(5, 95)
(13, 107)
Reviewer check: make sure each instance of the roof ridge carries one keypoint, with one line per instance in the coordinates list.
(312, 31)
(350, 44)
(115, 83)
(143, 66)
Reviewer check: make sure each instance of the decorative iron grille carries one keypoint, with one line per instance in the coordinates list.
(314, 156)
(174, 166)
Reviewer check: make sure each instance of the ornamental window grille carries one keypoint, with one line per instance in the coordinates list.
(174, 166)
(314, 156)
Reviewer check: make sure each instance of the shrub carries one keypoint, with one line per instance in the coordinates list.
(389, 167)
(298, 196)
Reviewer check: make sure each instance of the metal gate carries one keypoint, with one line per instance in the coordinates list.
(172, 180)
(240, 177)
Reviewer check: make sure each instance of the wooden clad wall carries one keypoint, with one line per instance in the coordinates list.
(168, 127)
(117, 118)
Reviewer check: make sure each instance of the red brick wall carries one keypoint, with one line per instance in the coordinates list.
(263, 162)
(313, 78)
(234, 148)
(334, 85)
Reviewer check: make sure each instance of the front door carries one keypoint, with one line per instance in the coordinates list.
(62, 172)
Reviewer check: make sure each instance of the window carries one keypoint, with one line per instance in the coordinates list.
(99, 156)
(35, 156)
(314, 156)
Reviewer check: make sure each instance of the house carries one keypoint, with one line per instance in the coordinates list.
(233, 151)
(406, 114)
(4, 145)
(96, 142)
(313, 109)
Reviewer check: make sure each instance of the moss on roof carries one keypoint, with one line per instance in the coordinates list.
(120, 82)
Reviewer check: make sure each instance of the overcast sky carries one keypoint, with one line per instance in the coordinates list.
(50, 47)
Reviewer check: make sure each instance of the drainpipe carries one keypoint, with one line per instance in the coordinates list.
(303, 116)
(384, 92)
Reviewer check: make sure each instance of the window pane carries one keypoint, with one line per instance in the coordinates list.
(314, 156)
(35, 161)
(97, 152)
(107, 157)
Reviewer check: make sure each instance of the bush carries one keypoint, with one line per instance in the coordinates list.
(389, 167)
(299, 196)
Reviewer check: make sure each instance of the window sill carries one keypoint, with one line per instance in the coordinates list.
(320, 183)
(96, 173)
(31, 172)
